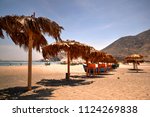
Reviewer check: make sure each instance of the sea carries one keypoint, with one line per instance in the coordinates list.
(19, 63)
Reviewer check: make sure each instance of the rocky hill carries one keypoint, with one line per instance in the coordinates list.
(139, 44)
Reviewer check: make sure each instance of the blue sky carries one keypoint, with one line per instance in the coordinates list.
(94, 22)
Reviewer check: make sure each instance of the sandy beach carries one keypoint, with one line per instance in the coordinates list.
(48, 83)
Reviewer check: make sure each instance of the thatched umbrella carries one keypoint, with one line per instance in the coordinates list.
(93, 56)
(96, 56)
(87, 54)
(109, 59)
(134, 56)
(135, 59)
(27, 32)
(73, 48)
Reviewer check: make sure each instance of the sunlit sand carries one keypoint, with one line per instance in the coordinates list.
(48, 83)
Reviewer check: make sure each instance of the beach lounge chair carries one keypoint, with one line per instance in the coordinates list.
(92, 69)
(101, 68)
(109, 67)
(115, 66)
(84, 67)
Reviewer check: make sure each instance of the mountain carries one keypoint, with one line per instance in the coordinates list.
(59, 57)
(139, 44)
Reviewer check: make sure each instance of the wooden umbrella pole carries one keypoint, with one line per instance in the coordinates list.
(136, 65)
(68, 66)
(30, 61)
(87, 67)
(133, 65)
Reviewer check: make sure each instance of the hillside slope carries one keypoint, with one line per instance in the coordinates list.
(125, 46)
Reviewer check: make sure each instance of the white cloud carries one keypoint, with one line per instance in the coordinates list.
(107, 26)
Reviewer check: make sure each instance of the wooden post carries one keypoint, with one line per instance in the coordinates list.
(68, 65)
(98, 68)
(30, 58)
(87, 67)
(133, 65)
(107, 69)
(136, 65)
(30, 61)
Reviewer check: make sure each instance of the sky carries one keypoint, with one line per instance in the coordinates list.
(94, 22)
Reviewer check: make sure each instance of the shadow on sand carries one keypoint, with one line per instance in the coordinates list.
(101, 75)
(136, 71)
(63, 82)
(17, 93)
(106, 74)
(86, 77)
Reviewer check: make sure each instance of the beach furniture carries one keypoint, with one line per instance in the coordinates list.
(101, 68)
(28, 32)
(85, 67)
(136, 59)
(47, 63)
(92, 69)
(72, 48)
(115, 66)
(109, 67)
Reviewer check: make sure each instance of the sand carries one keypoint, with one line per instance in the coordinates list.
(48, 81)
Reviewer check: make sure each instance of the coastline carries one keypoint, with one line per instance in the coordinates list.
(20, 63)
